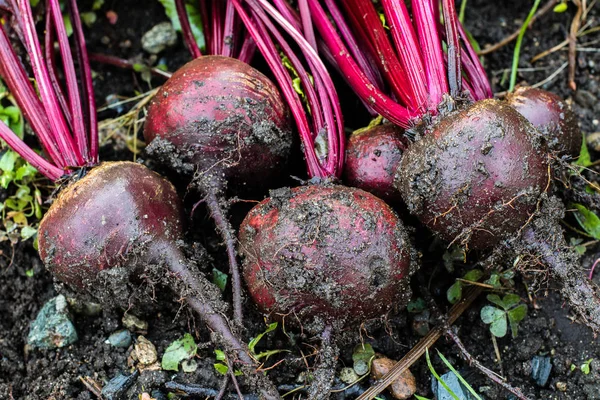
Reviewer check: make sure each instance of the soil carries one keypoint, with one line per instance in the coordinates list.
(548, 330)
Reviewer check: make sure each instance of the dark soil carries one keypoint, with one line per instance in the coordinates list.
(548, 330)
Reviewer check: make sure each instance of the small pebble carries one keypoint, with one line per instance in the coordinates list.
(115, 388)
(159, 38)
(593, 141)
(133, 323)
(562, 386)
(348, 376)
(52, 327)
(120, 339)
(540, 369)
(145, 351)
(404, 387)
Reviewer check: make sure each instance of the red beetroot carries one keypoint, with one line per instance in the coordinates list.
(327, 253)
(551, 116)
(223, 118)
(476, 177)
(372, 158)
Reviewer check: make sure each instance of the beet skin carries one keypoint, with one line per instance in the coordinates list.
(551, 116)
(219, 114)
(476, 178)
(326, 253)
(100, 221)
(372, 158)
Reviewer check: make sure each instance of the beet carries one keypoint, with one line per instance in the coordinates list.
(551, 116)
(327, 253)
(223, 119)
(476, 177)
(372, 158)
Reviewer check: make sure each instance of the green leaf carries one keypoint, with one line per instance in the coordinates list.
(181, 349)
(588, 221)
(363, 353)
(27, 232)
(494, 298)
(68, 26)
(494, 281)
(89, 18)
(97, 5)
(193, 16)
(220, 355)
(459, 376)
(584, 159)
(258, 337)
(420, 397)
(489, 314)
(7, 162)
(585, 367)
(269, 353)
(219, 279)
(560, 7)
(454, 292)
(221, 368)
(511, 300)
(473, 275)
(515, 316)
(29, 273)
(24, 171)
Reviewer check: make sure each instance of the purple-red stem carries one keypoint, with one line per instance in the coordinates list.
(361, 84)
(125, 64)
(188, 35)
(408, 50)
(229, 37)
(74, 99)
(480, 77)
(56, 119)
(367, 19)
(424, 12)
(452, 40)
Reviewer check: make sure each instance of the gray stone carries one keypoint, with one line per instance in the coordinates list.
(451, 380)
(52, 327)
(120, 339)
(117, 387)
(540, 369)
(159, 38)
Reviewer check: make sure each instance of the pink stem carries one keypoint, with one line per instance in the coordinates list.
(229, 36)
(454, 64)
(55, 117)
(88, 84)
(424, 12)
(38, 162)
(593, 268)
(186, 30)
(19, 85)
(480, 76)
(77, 118)
(408, 50)
(380, 102)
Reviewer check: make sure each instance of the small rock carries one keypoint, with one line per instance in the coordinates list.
(115, 388)
(159, 38)
(347, 375)
(540, 369)
(562, 386)
(403, 387)
(120, 339)
(452, 381)
(86, 308)
(144, 351)
(593, 141)
(52, 327)
(133, 323)
(585, 99)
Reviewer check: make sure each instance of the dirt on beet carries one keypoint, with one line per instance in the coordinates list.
(550, 332)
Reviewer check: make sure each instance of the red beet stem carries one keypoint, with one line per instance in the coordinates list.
(228, 43)
(478, 75)
(425, 13)
(407, 47)
(454, 65)
(188, 36)
(125, 64)
(378, 100)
